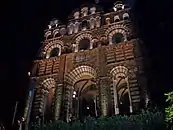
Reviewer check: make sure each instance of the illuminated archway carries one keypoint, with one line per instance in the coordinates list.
(53, 49)
(82, 88)
(117, 29)
(44, 98)
(121, 90)
(85, 40)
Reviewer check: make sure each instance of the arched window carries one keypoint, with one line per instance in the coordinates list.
(54, 52)
(92, 23)
(84, 25)
(116, 19)
(125, 16)
(84, 44)
(117, 38)
(49, 37)
(57, 35)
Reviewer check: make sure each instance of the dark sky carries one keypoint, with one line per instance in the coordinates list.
(22, 27)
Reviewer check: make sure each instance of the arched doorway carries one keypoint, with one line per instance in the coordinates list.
(83, 98)
(121, 91)
(44, 99)
(123, 97)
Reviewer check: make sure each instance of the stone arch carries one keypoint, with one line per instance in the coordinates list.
(119, 71)
(56, 44)
(117, 29)
(120, 87)
(49, 83)
(56, 33)
(116, 18)
(81, 37)
(82, 74)
(125, 16)
(78, 72)
(44, 96)
(48, 34)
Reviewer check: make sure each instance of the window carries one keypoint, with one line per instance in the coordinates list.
(84, 25)
(84, 44)
(54, 52)
(116, 19)
(125, 16)
(117, 38)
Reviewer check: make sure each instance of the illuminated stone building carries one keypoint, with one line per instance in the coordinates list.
(92, 66)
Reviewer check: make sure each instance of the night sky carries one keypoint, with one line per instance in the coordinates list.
(22, 30)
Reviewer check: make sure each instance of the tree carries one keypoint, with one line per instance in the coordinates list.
(169, 109)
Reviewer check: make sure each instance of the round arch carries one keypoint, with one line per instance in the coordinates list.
(79, 81)
(117, 29)
(56, 44)
(82, 37)
(118, 32)
(48, 34)
(120, 87)
(45, 91)
(56, 32)
(119, 71)
(79, 72)
(48, 83)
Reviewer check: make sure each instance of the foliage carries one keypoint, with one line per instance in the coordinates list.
(146, 120)
(169, 109)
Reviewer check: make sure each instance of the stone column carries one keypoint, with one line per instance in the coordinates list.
(91, 44)
(58, 100)
(130, 99)
(115, 97)
(76, 47)
(125, 38)
(67, 101)
(45, 93)
(103, 84)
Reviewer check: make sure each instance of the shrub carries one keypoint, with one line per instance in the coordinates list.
(146, 120)
(169, 109)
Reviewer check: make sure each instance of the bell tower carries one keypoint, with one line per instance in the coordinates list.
(91, 66)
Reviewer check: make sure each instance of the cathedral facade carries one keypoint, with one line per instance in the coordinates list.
(92, 66)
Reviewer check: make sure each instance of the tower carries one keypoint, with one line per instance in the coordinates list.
(92, 66)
